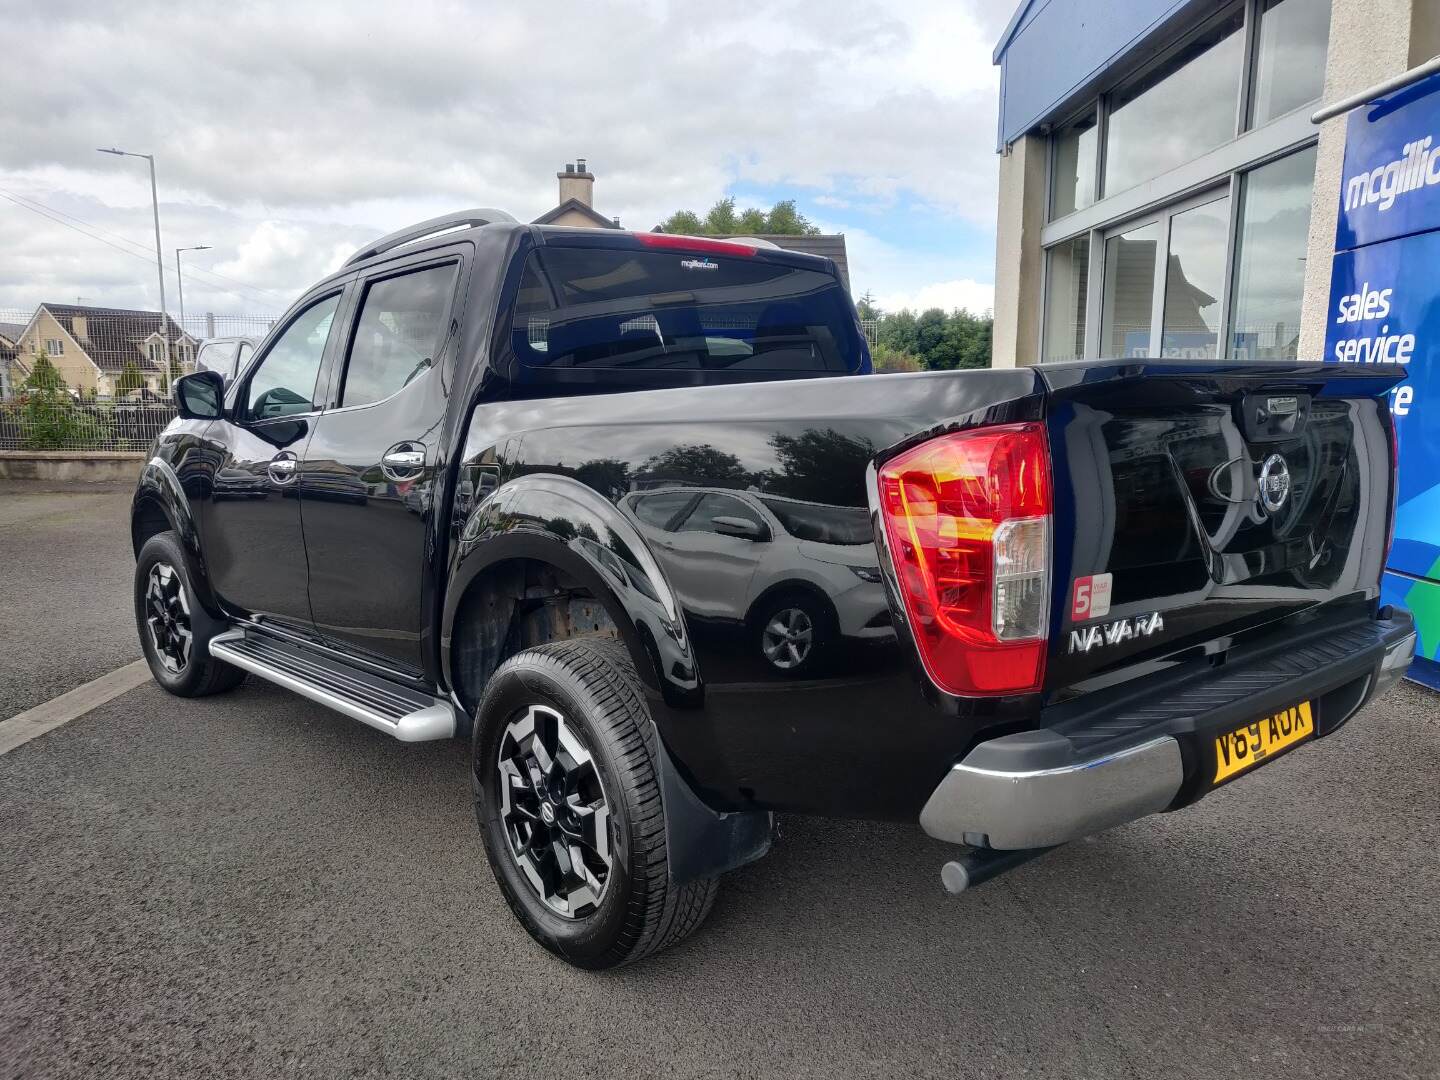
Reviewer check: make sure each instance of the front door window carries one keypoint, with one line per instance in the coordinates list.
(284, 383)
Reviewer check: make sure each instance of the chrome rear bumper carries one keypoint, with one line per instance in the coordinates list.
(1033, 790)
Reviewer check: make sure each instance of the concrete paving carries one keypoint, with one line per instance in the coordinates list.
(249, 885)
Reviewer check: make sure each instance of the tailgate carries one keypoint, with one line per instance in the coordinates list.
(1195, 502)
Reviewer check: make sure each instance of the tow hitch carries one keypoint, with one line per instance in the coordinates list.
(980, 865)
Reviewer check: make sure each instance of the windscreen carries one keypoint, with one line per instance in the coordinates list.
(614, 308)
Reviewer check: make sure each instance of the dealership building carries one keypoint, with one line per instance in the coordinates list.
(1163, 190)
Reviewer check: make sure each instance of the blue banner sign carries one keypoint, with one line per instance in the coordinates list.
(1391, 181)
(1385, 308)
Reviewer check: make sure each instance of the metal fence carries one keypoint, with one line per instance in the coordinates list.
(48, 422)
(80, 377)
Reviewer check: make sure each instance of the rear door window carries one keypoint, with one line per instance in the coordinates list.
(635, 309)
(400, 328)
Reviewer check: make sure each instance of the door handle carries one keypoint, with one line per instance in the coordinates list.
(282, 469)
(404, 459)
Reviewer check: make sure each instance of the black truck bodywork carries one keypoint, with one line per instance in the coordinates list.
(538, 512)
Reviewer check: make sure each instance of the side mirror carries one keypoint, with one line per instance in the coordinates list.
(743, 528)
(200, 396)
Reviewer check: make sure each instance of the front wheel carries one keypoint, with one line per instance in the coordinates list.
(566, 773)
(171, 625)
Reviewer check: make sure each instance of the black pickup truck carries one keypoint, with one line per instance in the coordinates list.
(630, 513)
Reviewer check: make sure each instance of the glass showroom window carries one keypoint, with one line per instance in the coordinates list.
(1129, 291)
(1073, 166)
(1195, 281)
(1289, 57)
(1184, 108)
(1270, 258)
(1067, 279)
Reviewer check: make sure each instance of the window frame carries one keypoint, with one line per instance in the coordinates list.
(1187, 185)
(360, 287)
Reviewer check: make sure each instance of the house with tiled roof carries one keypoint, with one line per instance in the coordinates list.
(90, 346)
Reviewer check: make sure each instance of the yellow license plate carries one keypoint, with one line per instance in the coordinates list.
(1254, 744)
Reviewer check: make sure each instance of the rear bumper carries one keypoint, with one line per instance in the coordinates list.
(1138, 754)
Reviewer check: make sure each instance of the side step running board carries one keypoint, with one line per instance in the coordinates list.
(408, 715)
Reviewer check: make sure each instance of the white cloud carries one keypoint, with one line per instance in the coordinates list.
(974, 296)
(287, 132)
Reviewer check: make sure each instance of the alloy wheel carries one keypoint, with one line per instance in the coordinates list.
(167, 614)
(554, 811)
(788, 638)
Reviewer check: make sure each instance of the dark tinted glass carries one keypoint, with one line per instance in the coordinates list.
(607, 308)
(821, 523)
(399, 330)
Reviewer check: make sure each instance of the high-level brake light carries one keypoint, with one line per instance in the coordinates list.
(676, 242)
(967, 517)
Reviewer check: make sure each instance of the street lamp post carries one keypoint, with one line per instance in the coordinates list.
(180, 283)
(159, 259)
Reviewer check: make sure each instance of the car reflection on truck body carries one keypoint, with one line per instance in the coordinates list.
(798, 575)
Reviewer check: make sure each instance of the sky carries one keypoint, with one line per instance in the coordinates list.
(286, 135)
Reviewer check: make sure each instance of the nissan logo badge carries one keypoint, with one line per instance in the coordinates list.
(1274, 483)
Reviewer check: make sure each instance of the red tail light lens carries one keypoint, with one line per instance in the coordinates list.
(967, 517)
(693, 243)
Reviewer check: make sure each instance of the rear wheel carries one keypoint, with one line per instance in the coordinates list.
(566, 773)
(173, 630)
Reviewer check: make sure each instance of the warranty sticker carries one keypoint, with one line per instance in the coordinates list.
(1092, 597)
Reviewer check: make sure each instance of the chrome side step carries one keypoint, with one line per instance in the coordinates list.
(408, 715)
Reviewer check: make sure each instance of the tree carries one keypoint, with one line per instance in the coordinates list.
(684, 222)
(940, 341)
(722, 220)
(130, 378)
(821, 465)
(866, 307)
(888, 361)
(609, 476)
(50, 418)
(44, 377)
(696, 463)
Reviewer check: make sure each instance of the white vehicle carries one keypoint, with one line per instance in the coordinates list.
(733, 558)
(226, 355)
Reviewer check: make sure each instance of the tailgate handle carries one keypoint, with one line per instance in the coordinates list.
(1274, 415)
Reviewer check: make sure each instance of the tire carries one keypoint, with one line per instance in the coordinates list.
(793, 634)
(591, 686)
(185, 670)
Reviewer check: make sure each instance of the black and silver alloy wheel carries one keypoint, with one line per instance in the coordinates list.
(554, 810)
(566, 763)
(787, 638)
(173, 625)
(167, 615)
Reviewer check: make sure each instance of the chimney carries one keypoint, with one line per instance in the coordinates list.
(80, 324)
(576, 183)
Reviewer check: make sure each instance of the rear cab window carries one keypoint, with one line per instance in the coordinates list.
(668, 308)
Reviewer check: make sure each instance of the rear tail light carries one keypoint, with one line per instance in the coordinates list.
(967, 517)
(693, 243)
